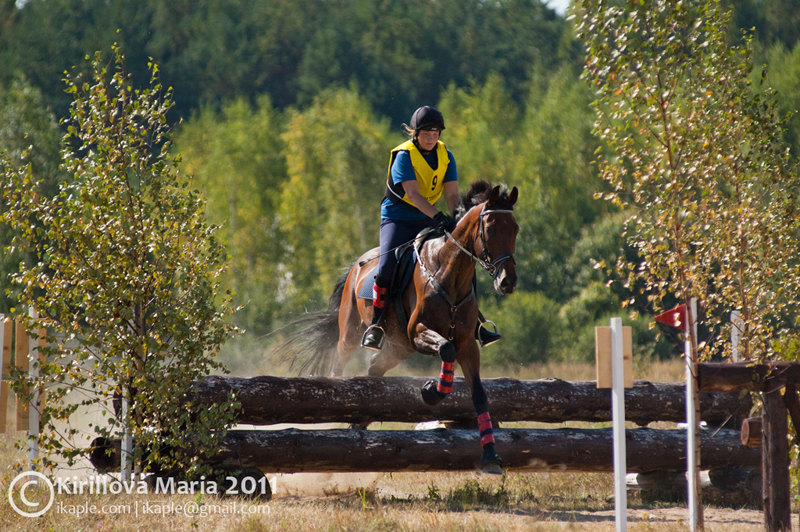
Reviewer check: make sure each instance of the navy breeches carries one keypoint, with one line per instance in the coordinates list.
(393, 234)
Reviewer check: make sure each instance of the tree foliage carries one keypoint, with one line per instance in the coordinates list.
(336, 155)
(126, 277)
(28, 132)
(396, 52)
(236, 157)
(699, 161)
(286, 106)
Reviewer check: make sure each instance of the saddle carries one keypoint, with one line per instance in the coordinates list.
(406, 256)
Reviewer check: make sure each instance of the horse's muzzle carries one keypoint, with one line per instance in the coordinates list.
(506, 280)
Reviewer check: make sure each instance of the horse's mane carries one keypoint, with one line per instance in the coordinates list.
(478, 193)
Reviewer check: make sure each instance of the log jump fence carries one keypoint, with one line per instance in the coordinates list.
(361, 400)
(268, 400)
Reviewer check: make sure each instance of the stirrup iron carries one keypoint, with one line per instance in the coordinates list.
(373, 337)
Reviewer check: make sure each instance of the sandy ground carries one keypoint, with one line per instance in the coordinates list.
(311, 486)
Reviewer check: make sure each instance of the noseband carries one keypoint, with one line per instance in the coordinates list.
(491, 266)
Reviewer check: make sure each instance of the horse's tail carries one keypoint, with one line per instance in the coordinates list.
(311, 346)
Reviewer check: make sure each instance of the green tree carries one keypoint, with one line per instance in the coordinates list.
(45, 37)
(28, 133)
(699, 161)
(481, 122)
(554, 153)
(531, 328)
(336, 155)
(126, 279)
(236, 158)
(783, 75)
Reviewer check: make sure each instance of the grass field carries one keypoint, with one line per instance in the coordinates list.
(383, 501)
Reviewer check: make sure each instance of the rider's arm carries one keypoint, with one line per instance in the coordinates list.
(452, 196)
(412, 191)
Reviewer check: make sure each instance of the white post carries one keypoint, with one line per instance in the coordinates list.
(127, 441)
(618, 419)
(33, 406)
(692, 454)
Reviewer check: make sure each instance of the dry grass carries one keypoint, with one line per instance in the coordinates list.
(383, 501)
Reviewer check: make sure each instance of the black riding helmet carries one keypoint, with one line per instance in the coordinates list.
(426, 117)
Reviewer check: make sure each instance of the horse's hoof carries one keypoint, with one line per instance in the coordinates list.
(492, 468)
(491, 462)
(430, 394)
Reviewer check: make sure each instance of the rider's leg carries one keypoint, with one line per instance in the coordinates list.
(484, 336)
(374, 335)
(393, 233)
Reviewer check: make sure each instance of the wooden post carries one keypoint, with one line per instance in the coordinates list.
(775, 463)
(792, 402)
(6, 332)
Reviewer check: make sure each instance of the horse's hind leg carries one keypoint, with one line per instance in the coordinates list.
(349, 334)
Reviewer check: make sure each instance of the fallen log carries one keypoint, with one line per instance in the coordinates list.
(740, 376)
(270, 400)
(294, 450)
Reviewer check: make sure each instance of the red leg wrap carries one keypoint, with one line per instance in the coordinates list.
(445, 384)
(379, 296)
(485, 428)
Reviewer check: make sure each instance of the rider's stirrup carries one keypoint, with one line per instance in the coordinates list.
(484, 336)
(373, 337)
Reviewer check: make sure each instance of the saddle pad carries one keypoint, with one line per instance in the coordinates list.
(406, 257)
(366, 287)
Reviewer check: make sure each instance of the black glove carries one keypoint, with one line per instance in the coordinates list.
(444, 222)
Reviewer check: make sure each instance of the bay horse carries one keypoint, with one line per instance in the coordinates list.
(440, 304)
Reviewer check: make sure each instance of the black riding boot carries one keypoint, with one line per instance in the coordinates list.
(374, 335)
(484, 336)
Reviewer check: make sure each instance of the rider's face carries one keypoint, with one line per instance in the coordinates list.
(427, 139)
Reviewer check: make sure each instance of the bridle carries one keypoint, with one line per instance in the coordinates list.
(491, 266)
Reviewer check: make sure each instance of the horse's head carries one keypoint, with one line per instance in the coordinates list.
(496, 241)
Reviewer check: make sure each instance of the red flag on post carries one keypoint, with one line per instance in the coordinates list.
(675, 317)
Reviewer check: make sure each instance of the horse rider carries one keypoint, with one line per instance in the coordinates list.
(420, 170)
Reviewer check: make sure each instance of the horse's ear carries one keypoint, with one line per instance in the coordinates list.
(512, 197)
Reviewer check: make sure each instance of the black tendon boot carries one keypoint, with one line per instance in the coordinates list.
(374, 335)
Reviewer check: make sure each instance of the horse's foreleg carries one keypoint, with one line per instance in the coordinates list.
(490, 460)
(431, 342)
